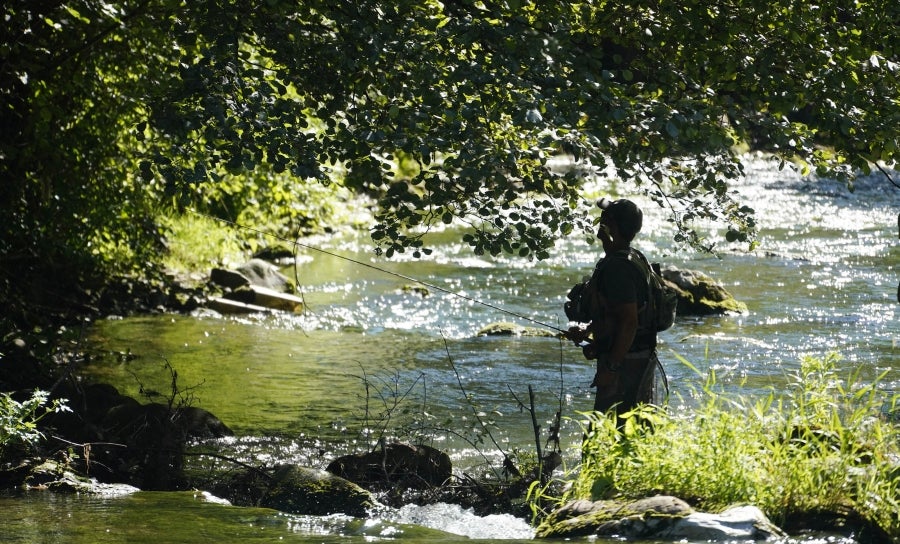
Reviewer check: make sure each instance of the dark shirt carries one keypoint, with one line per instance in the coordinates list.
(617, 282)
(621, 282)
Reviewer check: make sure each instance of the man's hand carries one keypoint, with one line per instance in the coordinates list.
(577, 334)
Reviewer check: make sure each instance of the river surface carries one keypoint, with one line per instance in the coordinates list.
(375, 355)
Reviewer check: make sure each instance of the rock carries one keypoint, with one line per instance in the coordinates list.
(659, 517)
(97, 400)
(256, 286)
(414, 467)
(254, 272)
(275, 253)
(254, 299)
(229, 279)
(264, 274)
(582, 517)
(276, 300)
(199, 423)
(698, 294)
(54, 476)
(420, 290)
(305, 491)
(130, 419)
(143, 444)
(504, 328)
(126, 441)
(244, 294)
(153, 446)
(574, 509)
(738, 523)
(224, 305)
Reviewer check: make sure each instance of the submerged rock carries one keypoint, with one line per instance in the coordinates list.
(504, 328)
(296, 490)
(659, 517)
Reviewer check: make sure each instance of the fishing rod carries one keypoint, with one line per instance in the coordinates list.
(383, 270)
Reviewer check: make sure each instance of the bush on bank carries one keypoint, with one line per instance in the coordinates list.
(19, 431)
(829, 445)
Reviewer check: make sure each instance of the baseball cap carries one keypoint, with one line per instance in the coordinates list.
(625, 213)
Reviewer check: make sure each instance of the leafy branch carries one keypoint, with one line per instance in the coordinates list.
(19, 420)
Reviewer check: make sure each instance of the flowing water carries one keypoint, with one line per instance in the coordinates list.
(373, 355)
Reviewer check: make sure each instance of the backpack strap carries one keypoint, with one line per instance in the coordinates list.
(646, 334)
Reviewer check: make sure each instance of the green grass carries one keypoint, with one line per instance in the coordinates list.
(271, 214)
(824, 446)
(196, 243)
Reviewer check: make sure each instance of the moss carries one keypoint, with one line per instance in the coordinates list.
(727, 305)
(306, 491)
(613, 517)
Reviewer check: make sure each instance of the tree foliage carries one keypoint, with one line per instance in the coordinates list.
(111, 110)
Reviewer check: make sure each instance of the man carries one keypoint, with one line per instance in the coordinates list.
(619, 335)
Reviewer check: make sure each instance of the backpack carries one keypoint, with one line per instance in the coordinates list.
(661, 298)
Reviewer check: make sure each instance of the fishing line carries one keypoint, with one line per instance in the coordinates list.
(383, 270)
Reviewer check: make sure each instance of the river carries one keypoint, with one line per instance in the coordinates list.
(371, 356)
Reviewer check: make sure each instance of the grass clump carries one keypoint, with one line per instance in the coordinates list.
(257, 211)
(196, 242)
(828, 445)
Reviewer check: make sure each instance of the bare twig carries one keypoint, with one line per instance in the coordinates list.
(391, 397)
(888, 176)
(537, 432)
(468, 399)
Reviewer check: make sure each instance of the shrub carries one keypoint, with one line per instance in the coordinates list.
(19, 431)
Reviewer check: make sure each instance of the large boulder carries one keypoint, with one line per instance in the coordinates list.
(699, 294)
(659, 517)
(411, 466)
(254, 272)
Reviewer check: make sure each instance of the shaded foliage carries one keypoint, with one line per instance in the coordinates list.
(113, 113)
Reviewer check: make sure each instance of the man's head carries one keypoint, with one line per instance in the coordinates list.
(624, 214)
